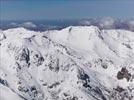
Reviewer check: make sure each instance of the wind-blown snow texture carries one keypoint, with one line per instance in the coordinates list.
(75, 63)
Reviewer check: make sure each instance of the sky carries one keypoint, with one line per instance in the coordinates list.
(65, 9)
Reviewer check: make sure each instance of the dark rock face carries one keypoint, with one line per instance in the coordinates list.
(54, 85)
(104, 66)
(38, 59)
(32, 92)
(69, 97)
(74, 98)
(3, 82)
(99, 92)
(123, 74)
(24, 55)
(119, 89)
(84, 78)
(54, 65)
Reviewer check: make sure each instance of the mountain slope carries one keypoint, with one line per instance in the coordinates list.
(75, 63)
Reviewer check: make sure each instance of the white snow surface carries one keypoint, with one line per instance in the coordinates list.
(75, 63)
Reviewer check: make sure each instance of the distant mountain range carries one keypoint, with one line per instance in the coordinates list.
(43, 25)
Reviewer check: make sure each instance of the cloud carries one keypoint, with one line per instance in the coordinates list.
(107, 23)
(85, 22)
(130, 25)
(13, 24)
(28, 25)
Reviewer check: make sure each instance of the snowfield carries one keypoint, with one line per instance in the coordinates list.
(75, 63)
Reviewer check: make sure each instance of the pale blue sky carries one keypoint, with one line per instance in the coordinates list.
(65, 9)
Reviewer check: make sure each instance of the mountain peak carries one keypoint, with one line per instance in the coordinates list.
(75, 63)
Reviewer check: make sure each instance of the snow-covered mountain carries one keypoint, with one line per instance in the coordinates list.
(75, 63)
